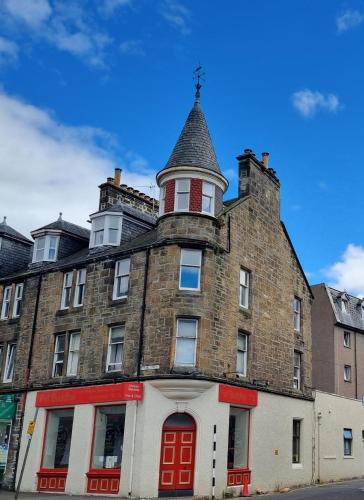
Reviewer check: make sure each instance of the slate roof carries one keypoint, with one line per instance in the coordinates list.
(9, 232)
(67, 227)
(194, 146)
(353, 316)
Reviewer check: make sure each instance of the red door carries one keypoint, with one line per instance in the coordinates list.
(177, 463)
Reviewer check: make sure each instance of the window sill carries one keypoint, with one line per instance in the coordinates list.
(347, 457)
(183, 292)
(118, 302)
(297, 466)
(184, 369)
(246, 311)
(71, 310)
(11, 321)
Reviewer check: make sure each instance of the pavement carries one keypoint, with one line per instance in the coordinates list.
(348, 490)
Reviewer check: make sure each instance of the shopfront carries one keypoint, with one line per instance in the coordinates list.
(7, 413)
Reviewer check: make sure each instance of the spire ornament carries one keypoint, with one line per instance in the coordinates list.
(197, 77)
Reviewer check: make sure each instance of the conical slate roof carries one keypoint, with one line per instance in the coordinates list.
(194, 146)
(8, 231)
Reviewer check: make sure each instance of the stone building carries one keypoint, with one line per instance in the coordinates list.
(156, 351)
(338, 341)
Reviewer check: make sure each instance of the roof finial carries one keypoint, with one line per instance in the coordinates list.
(60, 216)
(197, 77)
(4, 221)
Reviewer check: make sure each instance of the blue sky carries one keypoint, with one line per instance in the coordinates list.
(88, 85)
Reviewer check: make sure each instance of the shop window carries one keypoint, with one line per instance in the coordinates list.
(115, 348)
(244, 288)
(9, 363)
(73, 354)
(238, 438)
(66, 290)
(182, 201)
(121, 280)
(80, 288)
(242, 354)
(186, 342)
(348, 442)
(58, 439)
(297, 314)
(6, 303)
(108, 437)
(296, 441)
(190, 269)
(58, 357)
(17, 300)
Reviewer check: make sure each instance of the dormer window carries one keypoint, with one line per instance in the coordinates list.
(362, 311)
(182, 201)
(45, 248)
(208, 198)
(344, 305)
(106, 230)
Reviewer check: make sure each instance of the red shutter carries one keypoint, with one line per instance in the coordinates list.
(169, 198)
(196, 195)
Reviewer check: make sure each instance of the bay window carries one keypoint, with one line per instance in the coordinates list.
(186, 339)
(106, 230)
(208, 198)
(73, 354)
(45, 248)
(115, 348)
(6, 303)
(190, 269)
(9, 363)
(182, 200)
(58, 439)
(66, 291)
(80, 288)
(108, 437)
(121, 279)
(238, 438)
(17, 300)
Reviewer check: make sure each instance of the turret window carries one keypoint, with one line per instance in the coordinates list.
(106, 230)
(45, 248)
(208, 198)
(182, 201)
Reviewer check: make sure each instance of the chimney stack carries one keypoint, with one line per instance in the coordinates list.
(117, 177)
(265, 159)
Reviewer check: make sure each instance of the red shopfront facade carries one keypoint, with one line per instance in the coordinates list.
(109, 403)
(241, 401)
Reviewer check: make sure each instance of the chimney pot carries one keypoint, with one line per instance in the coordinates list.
(265, 159)
(117, 176)
(110, 179)
(248, 151)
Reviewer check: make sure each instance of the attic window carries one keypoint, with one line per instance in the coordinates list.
(344, 304)
(45, 248)
(106, 230)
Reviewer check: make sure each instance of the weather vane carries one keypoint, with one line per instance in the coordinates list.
(198, 77)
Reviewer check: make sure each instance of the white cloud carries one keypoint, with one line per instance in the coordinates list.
(348, 20)
(32, 12)
(176, 14)
(47, 167)
(109, 7)
(8, 51)
(348, 273)
(132, 47)
(308, 102)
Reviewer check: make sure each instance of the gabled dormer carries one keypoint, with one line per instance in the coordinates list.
(15, 250)
(57, 240)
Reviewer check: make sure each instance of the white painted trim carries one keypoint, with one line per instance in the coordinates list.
(182, 192)
(106, 227)
(7, 294)
(114, 296)
(47, 237)
(109, 350)
(17, 299)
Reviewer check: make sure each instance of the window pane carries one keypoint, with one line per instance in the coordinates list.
(190, 277)
(116, 354)
(241, 363)
(99, 237)
(75, 341)
(122, 267)
(81, 276)
(117, 334)
(186, 328)
(185, 351)
(109, 437)
(58, 439)
(190, 257)
(183, 185)
(206, 204)
(60, 342)
(113, 236)
(10, 361)
(113, 222)
(238, 438)
(98, 223)
(208, 189)
(242, 341)
(182, 201)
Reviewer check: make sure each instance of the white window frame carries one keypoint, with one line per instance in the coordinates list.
(297, 376)
(245, 279)
(347, 373)
(347, 340)
(18, 297)
(162, 200)
(72, 352)
(57, 352)
(177, 192)
(243, 352)
(5, 308)
(181, 266)
(10, 357)
(297, 308)
(106, 230)
(212, 198)
(81, 277)
(344, 305)
(109, 349)
(46, 249)
(118, 276)
(67, 288)
(179, 320)
(362, 311)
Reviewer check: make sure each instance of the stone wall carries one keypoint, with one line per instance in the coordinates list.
(110, 195)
